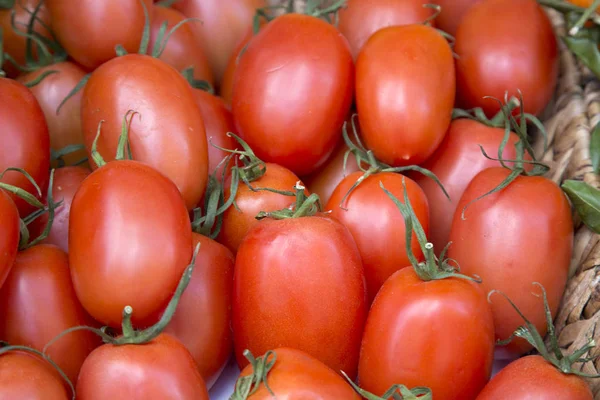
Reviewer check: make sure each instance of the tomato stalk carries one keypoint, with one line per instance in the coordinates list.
(246, 386)
(57, 155)
(304, 206)
(122, 144)
(395, 392)
(7, 4)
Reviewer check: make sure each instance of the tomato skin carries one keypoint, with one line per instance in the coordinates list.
(165, 131)
(520, 235)
(532, 377)
(226, 87)
(203, 318)
(236, 224)
(297, 374)
(108, 372)
(25, 140)
(400, 128)
(26, 376)
(297, 132)
(299, 283)
(9, 234)
(511, 56)
(376, 224)
(455, 341)
(452, 13)
(183, 49)
(134, 250)
(89, 30)
(362, 18)
(37, 302)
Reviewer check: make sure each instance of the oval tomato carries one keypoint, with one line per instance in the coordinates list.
(362, 18)
(226, 86)
(296, 131)
(376, 225)
(132, 372)
(452, 13)
(203, 318)
(37, 302)
(129, 241)
(405, 102)
(9, 234)
(512, 55)
(511, 239)
(89, 30)
(455, 340)
(167, 134)
(299, 283)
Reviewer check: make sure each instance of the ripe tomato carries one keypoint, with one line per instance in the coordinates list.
(376, 225)
(26, 376)
(400, 127)
(582, 3)
(89, 30)
(25, 140)
(65, 127)
(362, 18)
(452, 13)
(455, 340)
(183, 49)
(203, 318)
(520, 235)
(168, 130)
(226, 86)
(299, 283)
(132, 372)
(296, 374)
(9, 234)
(133, 250)
(226, 20)
(296, 131)
(37, 302)
(237, 223)
(512, 55)
(533, 377)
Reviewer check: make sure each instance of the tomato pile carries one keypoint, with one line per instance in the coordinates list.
(344, 197)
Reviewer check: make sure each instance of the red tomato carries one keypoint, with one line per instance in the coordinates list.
(183, 49)
(26, 376)
(283, 121)
(520, 235)
(517, 52)
(376, 225)
(25, 140)
(237, 223)
(299, 283)
(164, 134)
(296, 374)
(226, 87)
(129, 241)
(452, 13)
(64, 128)
(455, 340)
(132, 372)
(533, 377)
(37, 302)
(9, 234)
(203, 318)
(400, 126)
(226, 20)
(89, 30)
(362, 18)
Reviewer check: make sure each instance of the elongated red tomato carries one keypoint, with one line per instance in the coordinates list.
(362, 18)
(296, 374)
(168, 130)
(37, 302)
(533, 377)
(512, 56)
(125, 251)
(452, 13)
(455, 341)
(376, 225)
(25, 140)
(132, 372)
(9, 234)
(511, 239)
(299, 283)
(203, 318)
(405, 88)
(89, 30)
(283, 121)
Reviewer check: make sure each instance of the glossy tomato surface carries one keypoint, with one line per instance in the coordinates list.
(9, 234)
(452, 13)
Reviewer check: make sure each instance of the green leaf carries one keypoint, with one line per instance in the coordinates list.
(586, 50)
(595, 149)
(586, 200)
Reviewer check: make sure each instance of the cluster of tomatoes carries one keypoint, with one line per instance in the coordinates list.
(359, 212)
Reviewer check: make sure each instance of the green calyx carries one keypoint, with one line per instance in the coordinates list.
(552, 353)
(7, 4)
(433, 268)
(246, 386)
(395, 392)
(303, 207)
(122, 145)
(188, 74)
(58, 155)
(209, 223)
